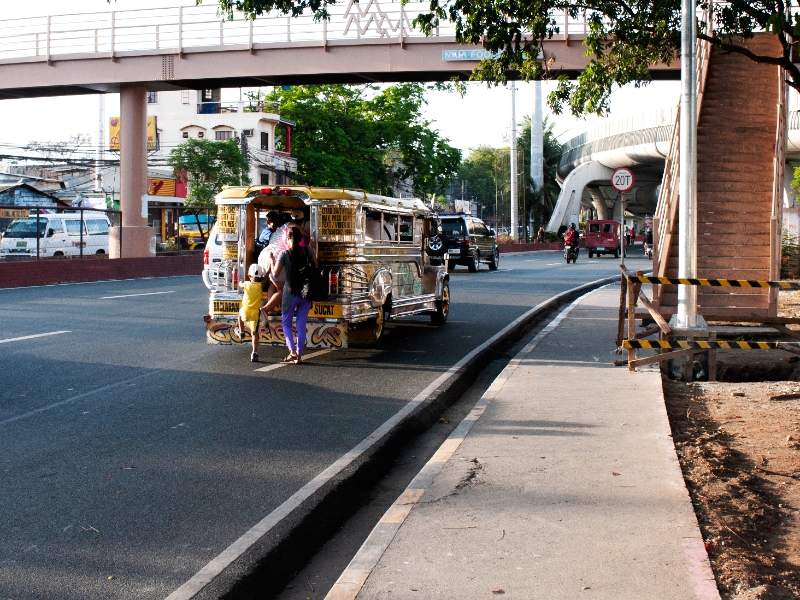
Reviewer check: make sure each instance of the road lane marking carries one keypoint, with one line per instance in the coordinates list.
(30, 337)
(352, 580)
(133, 295)
(305, 357)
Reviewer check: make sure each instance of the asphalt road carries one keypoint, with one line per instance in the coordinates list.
(132, 453)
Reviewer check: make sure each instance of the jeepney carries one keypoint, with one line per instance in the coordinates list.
(382, 258)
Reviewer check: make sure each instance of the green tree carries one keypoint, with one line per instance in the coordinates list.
(624, 38)
(210, 165)
(366, 137)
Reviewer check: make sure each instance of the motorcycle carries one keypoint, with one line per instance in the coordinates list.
(570, 253)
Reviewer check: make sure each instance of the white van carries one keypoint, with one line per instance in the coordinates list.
(59, 235)
(212, 257)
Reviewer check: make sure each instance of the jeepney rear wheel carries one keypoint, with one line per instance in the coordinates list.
(369, 333)
(439, 316)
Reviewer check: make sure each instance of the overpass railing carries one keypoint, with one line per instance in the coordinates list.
(182, 29)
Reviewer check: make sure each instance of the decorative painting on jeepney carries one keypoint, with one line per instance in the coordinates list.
(337, 223)
(318, 334)
(406, 279)
(226, 224)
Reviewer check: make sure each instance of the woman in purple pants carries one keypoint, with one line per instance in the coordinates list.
(293, 259)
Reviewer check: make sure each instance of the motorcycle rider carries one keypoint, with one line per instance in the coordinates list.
(571, 238)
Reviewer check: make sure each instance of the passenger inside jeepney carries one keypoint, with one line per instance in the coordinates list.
(373, 231)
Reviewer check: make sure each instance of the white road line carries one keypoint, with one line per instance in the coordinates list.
(218, 564)
(349, 584)
(305, 357)
(133, 295)
(30, 337)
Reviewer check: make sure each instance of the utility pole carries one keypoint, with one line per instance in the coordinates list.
(513, 157)
(537, 144)
(687, 192)
(100, 145)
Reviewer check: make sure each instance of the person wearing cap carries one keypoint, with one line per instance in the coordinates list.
(251, 306)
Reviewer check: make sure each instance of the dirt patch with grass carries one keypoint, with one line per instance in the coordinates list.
(739, 449)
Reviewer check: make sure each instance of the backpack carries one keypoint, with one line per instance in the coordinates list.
(307, 281)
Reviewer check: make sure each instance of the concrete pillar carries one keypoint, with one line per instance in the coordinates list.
(599, 202)
(138, 240)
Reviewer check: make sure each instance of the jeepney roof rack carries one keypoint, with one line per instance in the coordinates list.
(307, 194)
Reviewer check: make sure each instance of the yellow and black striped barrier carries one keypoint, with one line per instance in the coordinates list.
(701, 345)
(740, 283)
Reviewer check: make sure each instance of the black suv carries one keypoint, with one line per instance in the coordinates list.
(469, 242)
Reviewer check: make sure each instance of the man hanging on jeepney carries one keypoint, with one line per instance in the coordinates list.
(272, 224)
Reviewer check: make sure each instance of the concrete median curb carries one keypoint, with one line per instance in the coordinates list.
(262, 560)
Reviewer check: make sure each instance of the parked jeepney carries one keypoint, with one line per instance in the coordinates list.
(382, 258)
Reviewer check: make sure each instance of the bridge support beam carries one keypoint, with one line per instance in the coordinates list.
(138, 240)
(599, 203)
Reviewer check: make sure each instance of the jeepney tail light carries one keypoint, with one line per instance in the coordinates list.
(333, 280)
(235, 276)
(205, 256)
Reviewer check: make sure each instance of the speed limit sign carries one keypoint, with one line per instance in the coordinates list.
(622, 180)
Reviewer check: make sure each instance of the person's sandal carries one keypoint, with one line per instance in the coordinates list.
(297, 360)
(289, 359)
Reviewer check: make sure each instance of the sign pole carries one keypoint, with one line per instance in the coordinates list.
(622, 180)
(621, 229)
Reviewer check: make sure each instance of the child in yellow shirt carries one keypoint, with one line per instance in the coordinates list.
(251, 306)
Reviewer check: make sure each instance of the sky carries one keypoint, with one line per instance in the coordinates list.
(482, 117)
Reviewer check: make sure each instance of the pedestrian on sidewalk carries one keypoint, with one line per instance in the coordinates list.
(295, 261)
(540, 235)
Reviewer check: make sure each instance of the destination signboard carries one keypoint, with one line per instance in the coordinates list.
(473, 55)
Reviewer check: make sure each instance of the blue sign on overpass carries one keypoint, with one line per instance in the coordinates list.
(474, 55)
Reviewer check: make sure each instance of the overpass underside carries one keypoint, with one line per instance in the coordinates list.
(340, 61)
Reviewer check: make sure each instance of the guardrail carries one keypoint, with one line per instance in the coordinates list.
(180, 29)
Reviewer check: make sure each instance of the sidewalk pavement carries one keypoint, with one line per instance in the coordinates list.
(562, 482)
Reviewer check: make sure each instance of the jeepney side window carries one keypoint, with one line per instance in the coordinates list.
(406, 230)
(372, 225)
(418, 223)
(390, 225)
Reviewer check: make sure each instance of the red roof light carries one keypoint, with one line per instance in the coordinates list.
(285, 192)
(266, 191)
